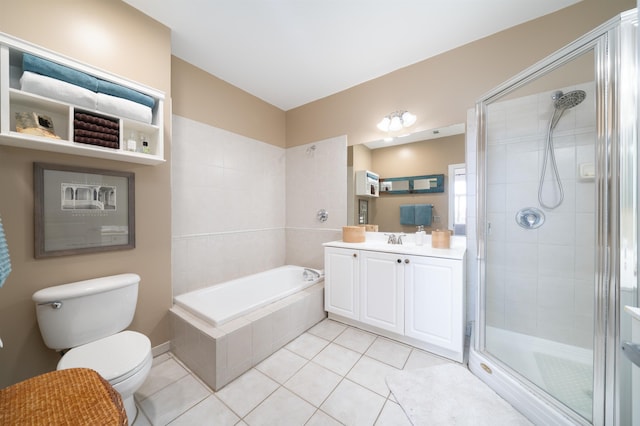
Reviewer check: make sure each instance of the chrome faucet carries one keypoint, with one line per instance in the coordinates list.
(395, 239)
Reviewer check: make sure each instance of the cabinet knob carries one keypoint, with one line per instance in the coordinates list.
(399, 260)
(406, 261)
(355, 254)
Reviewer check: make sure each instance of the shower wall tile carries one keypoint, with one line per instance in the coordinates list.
(549, 271)
(228, 205)
(316, 179)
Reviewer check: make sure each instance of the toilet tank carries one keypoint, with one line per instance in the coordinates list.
(73, 314)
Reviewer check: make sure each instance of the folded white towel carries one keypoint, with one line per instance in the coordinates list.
(58, 90)
(124, 108)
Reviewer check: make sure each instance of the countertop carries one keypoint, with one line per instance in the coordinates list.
(377, 241)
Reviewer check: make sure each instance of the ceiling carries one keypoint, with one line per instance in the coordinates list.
(292, 52)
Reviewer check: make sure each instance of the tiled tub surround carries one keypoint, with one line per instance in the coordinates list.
(220, 354)
(242, 206)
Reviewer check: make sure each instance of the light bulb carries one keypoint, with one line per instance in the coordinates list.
(384, 124)
(408, 119)
(396, 124)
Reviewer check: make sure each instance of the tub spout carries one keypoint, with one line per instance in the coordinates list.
(310, 274)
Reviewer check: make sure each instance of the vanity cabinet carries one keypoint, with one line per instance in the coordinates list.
(434, 301)
(343, 271)
(382, 290)
(57, 108)
(414, 299)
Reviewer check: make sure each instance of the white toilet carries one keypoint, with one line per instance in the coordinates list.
(88, 318)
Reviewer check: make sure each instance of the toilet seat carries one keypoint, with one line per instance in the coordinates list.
(115, 357)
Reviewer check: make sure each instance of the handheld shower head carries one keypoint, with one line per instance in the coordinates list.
(568, 100)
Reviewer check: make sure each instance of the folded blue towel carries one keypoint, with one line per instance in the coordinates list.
(59, 72)
(407, 214)
(5, 262)
(119, 91)
(79, 78)
(423, 214)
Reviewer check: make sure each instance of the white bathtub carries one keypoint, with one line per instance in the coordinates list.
(224, 302)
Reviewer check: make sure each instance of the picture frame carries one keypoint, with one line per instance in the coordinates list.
(80, 210)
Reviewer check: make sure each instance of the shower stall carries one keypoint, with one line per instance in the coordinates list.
(556, 211)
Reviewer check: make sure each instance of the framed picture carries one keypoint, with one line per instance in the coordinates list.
(81, 210)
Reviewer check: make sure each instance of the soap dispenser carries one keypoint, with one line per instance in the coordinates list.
(420, 235)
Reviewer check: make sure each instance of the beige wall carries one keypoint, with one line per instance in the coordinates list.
(428, 157)
(115, 37)
(441, 89)
(205, 98)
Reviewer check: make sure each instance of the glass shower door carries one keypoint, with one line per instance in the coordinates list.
(541, 231)
(557, 226)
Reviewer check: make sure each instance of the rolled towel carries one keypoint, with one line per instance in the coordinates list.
(57, 89)
(5, 261)
(124, 108)
(59, 72)
(119, 91)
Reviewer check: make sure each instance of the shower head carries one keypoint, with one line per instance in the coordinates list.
(568, 100)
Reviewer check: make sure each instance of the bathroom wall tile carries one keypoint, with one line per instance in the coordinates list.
(584, 263)
(521, 164)
(519, 196)
(496, 170)
(262, 337)
(522, 257)
(558, 228)
(556, 260)
(585, 197)
(521, 287)
(556, 293)
(496, 198)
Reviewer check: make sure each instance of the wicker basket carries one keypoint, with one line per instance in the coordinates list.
(441, 239)
(353, 234)
(77, 396)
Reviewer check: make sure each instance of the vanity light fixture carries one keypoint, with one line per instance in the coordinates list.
(396, 121)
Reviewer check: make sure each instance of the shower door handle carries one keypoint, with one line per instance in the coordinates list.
(632, 351)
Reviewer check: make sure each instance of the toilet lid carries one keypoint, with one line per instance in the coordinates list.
(114, 357)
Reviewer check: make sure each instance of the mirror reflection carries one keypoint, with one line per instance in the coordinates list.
(429, 152)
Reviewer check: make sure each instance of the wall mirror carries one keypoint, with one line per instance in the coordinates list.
(414, 169)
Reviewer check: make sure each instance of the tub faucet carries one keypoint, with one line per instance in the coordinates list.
(310, 274)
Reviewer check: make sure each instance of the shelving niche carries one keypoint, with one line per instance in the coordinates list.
(15, 100)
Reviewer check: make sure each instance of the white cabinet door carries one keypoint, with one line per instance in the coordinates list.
(382, 290)
(434, 301)
(342, 282)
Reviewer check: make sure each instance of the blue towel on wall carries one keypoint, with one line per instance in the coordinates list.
(423, 214)
(5, 262)
(416, 214)
(407, 214)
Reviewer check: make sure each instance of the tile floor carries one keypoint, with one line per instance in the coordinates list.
(333, 374)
